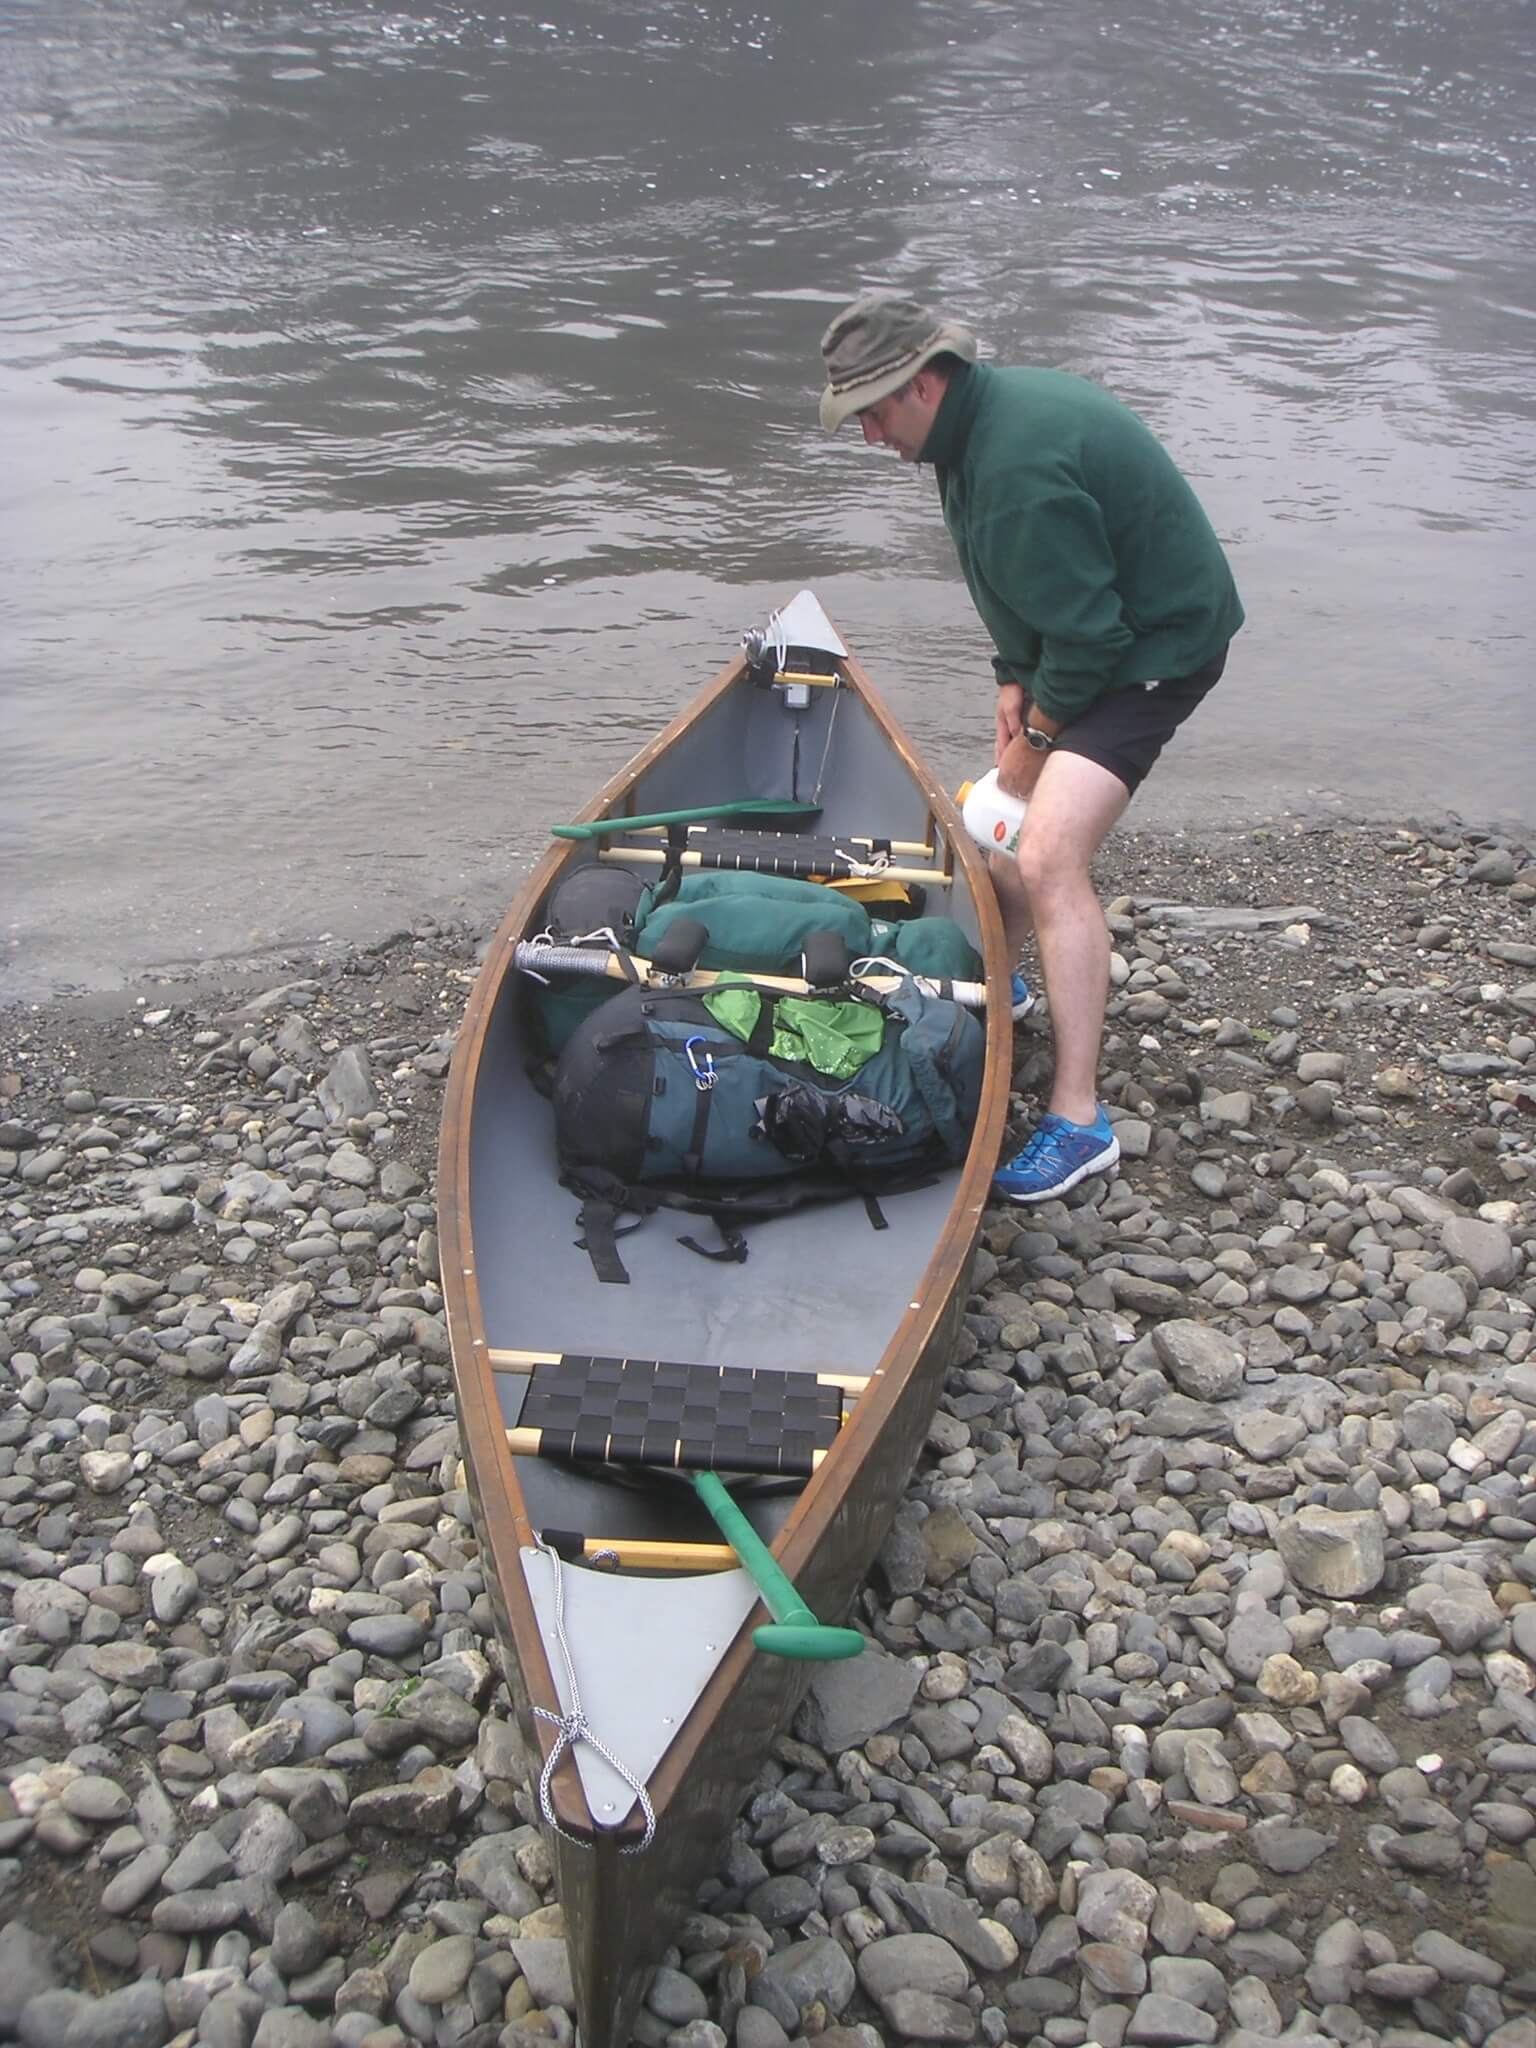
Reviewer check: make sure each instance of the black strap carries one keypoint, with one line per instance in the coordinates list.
(671, 868)
(731, 1250)
(760, 1038)
(693, 1158)
(599, 1237)
(826, 959)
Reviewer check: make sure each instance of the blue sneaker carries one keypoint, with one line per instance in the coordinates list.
(1019, 996)
(1057, 1156)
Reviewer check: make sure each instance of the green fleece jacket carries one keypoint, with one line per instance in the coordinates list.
(1086, 552)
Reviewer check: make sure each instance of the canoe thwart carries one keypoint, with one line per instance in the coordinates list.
(540, 956)
(638, 1553)
(661, 1413)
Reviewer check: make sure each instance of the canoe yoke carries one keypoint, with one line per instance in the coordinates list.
(672, 1416)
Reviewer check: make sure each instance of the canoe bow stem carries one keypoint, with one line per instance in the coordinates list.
(574, 1727)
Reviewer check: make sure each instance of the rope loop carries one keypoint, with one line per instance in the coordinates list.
(574, 1727)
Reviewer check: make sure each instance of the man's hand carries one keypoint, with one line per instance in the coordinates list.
(1011, 706)
(1018, 768)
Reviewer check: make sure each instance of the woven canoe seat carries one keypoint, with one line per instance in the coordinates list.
(639, 1411)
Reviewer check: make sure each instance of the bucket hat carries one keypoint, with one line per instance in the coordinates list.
(876, 344)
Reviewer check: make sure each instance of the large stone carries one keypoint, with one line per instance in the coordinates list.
(424, 1807)
(1266, 1436)
(440, 1972)
(1116, 1905)
(348, 1090)
(1254, 1635)
(134, 2017)
(269, 1843)
(924, 2016)
(1456, 1963)
(1339, 1552)
(545, 1961)
(852, 1700)
(1165, 2022)
(912, 1962)
(1286, 1849)
(27, 1969)
(285, 2026)
(489, 1867)
(1200, 1361)
(299, 1942)
(1485, 1249)
(806, 1973)
(950, 1544)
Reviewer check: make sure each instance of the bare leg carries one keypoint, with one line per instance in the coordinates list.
(1008, 885)
(1072, 807)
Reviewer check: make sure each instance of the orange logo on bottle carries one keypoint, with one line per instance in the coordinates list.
(999, 831)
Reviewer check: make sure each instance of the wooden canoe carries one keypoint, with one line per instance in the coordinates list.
(663, 1659)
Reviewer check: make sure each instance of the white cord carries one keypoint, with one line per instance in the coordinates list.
(574, 1727)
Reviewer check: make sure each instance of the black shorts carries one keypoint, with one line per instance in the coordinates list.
(1125, 730)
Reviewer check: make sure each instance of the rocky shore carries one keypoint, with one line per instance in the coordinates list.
(1201, 1706)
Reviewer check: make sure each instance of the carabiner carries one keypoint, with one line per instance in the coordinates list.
(703, 1073)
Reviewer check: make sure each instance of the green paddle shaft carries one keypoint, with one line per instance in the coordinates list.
(795, 1631)
(743, 807)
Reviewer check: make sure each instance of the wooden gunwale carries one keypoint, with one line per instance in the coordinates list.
(500, 1506)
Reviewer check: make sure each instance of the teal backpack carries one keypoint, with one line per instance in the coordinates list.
(658, 1104)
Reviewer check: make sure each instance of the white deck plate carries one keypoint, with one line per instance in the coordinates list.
(803, 623)
(644, 1649)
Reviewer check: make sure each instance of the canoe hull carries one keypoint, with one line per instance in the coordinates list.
(819, 1295)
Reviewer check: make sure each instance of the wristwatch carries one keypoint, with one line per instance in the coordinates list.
(1042, 742)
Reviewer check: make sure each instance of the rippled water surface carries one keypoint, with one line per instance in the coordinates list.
(404, 409)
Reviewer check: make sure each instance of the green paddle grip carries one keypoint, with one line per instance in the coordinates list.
(794, 1630)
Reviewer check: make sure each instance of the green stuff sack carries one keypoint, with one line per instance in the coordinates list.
(935, 946)
(758, 924)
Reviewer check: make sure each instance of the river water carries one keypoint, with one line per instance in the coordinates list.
(404, 408)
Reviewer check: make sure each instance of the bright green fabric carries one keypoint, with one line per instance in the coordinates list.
(1086, 552)
(734, 1008)
(834, 1038)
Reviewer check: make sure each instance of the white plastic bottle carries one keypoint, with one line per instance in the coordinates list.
(991, 816)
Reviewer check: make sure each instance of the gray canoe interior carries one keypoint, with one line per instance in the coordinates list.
(821, 1289)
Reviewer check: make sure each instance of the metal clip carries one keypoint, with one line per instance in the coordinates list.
(704, 1076)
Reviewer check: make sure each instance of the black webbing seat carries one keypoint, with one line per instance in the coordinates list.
(656, 1412)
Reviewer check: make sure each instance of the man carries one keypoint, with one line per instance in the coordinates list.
(1110, 605)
